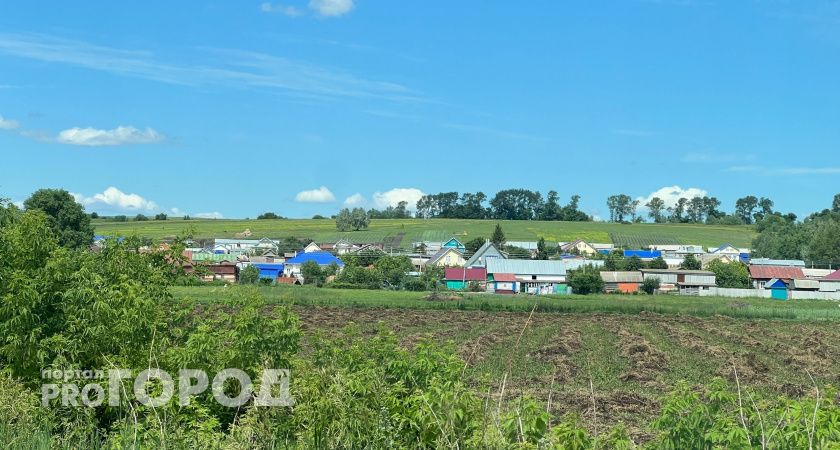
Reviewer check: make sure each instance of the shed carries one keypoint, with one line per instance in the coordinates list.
(624, 282)
(778, 288)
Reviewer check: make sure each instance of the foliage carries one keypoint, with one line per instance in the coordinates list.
(391, 212)
(498, 236)
(731, 275)
(269, 216)
(690, 262)
(249, 275)
(633, 263)
(66, 218)
(313, 273)
(542, 253)
(355, 220)
(358, 277)
(650, 285)
(140, 218)
(473, 245)
(393, 268)
(658, 263)
(160, 216)
(621, 206)
(586, 280)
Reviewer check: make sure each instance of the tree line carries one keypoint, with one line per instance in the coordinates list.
(508, 204)
(748, 210)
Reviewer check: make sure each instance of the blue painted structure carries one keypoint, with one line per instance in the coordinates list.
(270, 270)
(454, 243)
(778, 289)
(644, 254)
(321, 258)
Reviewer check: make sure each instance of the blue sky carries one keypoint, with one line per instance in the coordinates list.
(234, 108)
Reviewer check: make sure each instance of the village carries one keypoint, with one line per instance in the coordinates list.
(678, 269)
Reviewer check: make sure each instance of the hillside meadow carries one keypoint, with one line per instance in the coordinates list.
(620, 353)
(400, 233)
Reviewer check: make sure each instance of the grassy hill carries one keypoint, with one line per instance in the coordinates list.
(401, 232)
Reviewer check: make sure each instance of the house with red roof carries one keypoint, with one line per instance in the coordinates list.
(831, 282)
(761, 274)
(459, 278)
(502, 283)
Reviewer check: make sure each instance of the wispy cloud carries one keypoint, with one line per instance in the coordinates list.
(496, 132)
(331, 8)
(92, 137)
(217, 67)
(286, 10)
(8, 124)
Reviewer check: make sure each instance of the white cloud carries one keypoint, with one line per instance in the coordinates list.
(331, 8)
(286, 10)
(92, 137)
(356, 199)
(671, 194)
(118, 199)
(320, 195)
(396, 195)
(8, 124)
(210, 215)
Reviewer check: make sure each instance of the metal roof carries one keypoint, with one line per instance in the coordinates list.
(777, 262)
(322, 258)
(678, 271)
(461, 274)
(504, 277)
(806, 284)
(526, 266)
(834, 276)
(642, 253)
(787, 273)
(622, 277)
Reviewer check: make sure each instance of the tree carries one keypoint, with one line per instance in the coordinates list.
(678, 211)
(312, 273)
(498, 236)
(394, 268)
(650, 285)
(824, 243)
(658, 263)
(655, 207)
(690, 263)
(160, 216)
(551, 209)
(542, 253)
(249, 275)
(66, 218)
(634, 263)
(344, 220)
(620, 206)
(94, 215)
(835, 205)
(359, 219)
(586, 280)
(766, 209)
(731, 275)
(268, 216)
(140, 218)
(516, 204)
(473, 245)
(571, 213)
(744, 208)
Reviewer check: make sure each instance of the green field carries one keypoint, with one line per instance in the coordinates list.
(633, 349)
(405, 231)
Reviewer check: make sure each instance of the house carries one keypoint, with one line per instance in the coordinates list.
(223, 271)
(727, 250)
(532, 276)
(831, 282)
(454, 243)
(323, 259)
(578, 247)
(600, 248)
(458, 278)
(707, 258)
(312, 247)
(686, 282)
(447, 257)
(488, 250)
(624, 282)
(502, 283)
(762, 274)
(645, 255)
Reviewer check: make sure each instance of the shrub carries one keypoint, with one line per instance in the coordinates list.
(249, 275)
(650, 285)
(586, 280)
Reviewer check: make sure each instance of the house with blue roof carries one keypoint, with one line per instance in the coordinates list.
(323, 259)
(454, 243)
(270, 271)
